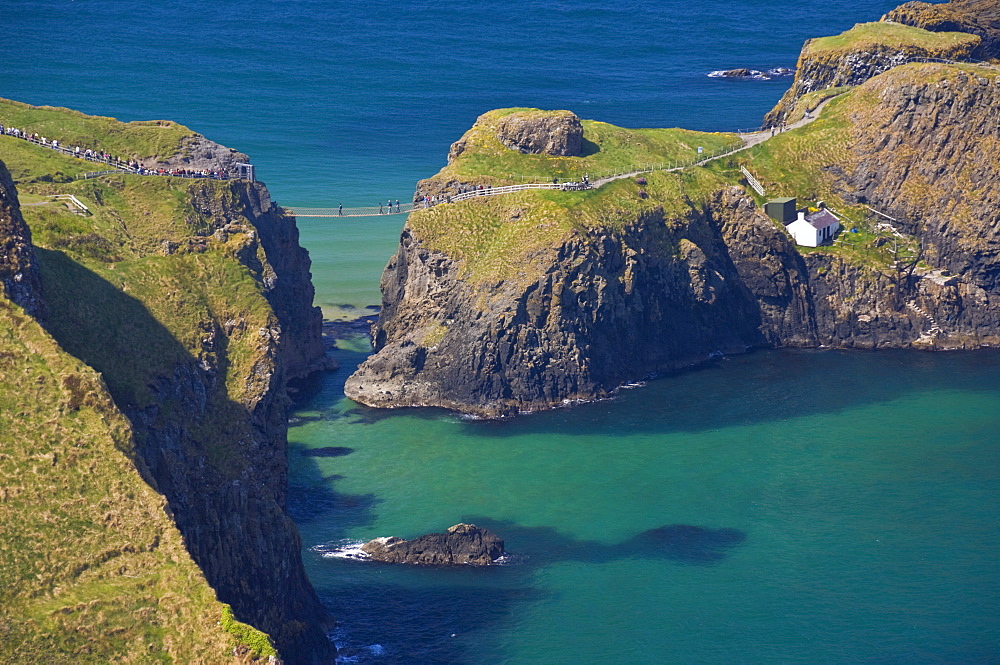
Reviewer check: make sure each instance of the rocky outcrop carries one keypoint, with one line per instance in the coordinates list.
(19, 277)
(611, 307)
(862, 58)
(928, 156)
(280, 263)
(556, 133)
(197, 153)
(745, 74)
(462, 544)
(615, 307)
(977, 17)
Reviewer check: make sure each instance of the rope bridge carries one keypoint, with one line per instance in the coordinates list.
(404, 208)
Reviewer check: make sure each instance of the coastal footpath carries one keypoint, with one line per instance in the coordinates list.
(149, 329)
(536, 299)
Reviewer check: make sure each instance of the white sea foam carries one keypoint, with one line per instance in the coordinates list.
(341, 549)
(508, 559)
(633, 384)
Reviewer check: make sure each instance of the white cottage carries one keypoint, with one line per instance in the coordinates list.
(815, 229)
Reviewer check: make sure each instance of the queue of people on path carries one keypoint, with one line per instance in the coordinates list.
(103, 157)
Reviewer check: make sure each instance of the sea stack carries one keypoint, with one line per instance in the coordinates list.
(462, 544)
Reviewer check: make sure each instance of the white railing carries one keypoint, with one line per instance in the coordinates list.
(752, 181)
(73, 202)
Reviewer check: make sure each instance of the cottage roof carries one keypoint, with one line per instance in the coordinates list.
(822, 219)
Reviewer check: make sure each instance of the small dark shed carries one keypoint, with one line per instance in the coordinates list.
(781, 210)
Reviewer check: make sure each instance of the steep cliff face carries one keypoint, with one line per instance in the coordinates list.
(977, 17)
(607, 306)
(927, 148)
(193, 300)
(19, 278)
(551, 303)
(278, 261)
(94, 568)
(227, 488)
(861, 53)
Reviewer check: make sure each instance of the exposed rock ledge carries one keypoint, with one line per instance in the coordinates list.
(462, 544)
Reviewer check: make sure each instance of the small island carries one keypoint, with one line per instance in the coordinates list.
(538, 298)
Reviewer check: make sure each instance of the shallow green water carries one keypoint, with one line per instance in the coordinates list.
(821, 507)
(347, 259)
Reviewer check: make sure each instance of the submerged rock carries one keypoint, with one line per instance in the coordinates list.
(461, 544)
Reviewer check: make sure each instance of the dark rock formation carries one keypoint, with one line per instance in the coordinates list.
(557, 133)
(930, 156)
(462, 544)
(237, 530)
(285, 272)
(19, 277)
(977, 17)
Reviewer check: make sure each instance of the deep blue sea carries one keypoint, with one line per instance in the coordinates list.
(780, 507)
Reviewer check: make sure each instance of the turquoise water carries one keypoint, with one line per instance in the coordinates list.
(780, 507)
(821, 507)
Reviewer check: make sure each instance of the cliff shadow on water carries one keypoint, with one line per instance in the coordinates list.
(187, 430)
(758, 387)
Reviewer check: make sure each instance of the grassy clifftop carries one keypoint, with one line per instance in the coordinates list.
(494, 236)
(865, 51)
(148, 248)
(506, 237)
(867, 36)
(141, 139)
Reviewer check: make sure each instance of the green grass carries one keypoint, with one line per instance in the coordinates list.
(141, 140)
(507, 238)
(109, 276)
(510, 238)
(29, 163)
(607, 149)
(92, 569)
(811, 100)
(864, 36)
(245, 634)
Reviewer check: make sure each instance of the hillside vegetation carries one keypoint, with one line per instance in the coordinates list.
(92, 567)
(139, 139)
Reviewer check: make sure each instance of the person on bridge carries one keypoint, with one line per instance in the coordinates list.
(380, 208)
(397, 205)
(340, 210)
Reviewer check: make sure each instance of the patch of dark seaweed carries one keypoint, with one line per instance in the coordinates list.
(328, 451)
